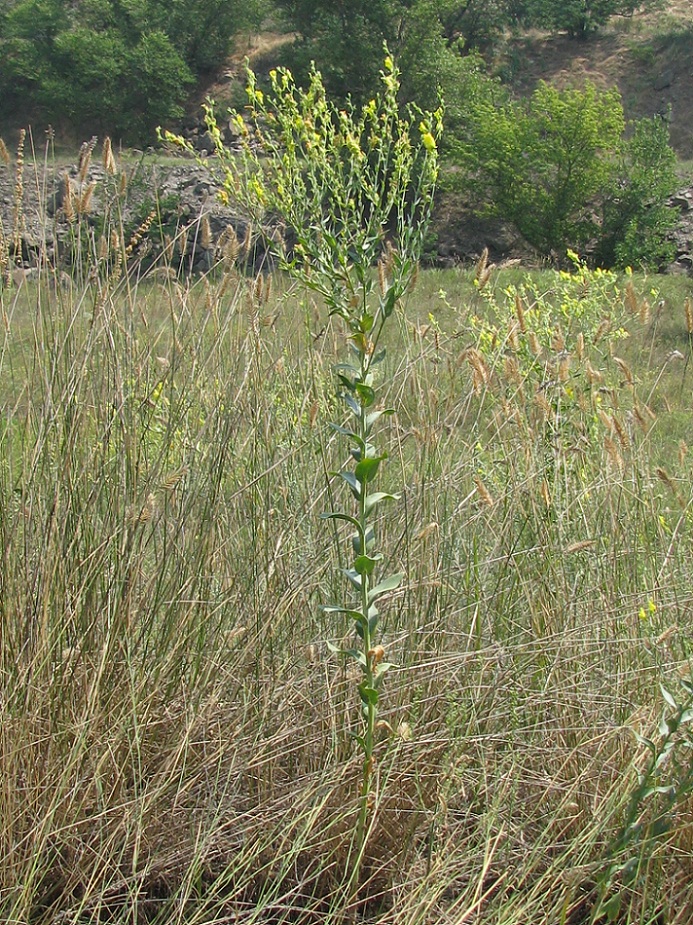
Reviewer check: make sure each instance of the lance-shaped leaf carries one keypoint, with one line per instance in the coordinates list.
(347, 369)
(353, 576)
(374, 500)
(337, 515)
(380, 672)
(369, 695)
(366, 322)
(388, 584)
(353, 483)
(357, 738)
(366, 393)
(340, 608)
(363, 450)
(352, 404)
(345, 432)
(356, 543)
(389, 302)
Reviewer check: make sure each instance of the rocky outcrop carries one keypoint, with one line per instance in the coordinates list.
(57, 214)
(67, 213)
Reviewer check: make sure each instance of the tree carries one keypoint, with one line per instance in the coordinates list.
(582, 17)
(539, 163)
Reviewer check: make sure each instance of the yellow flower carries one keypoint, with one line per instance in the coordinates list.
(429, 142)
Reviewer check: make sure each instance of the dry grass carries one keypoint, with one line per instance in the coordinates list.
(174, 730)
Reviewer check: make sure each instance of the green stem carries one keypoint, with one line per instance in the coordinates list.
(369, 736)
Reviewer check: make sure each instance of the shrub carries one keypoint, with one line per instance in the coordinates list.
(559, 168)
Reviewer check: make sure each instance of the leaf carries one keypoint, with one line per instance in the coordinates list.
(346, 382)
(378, 357)
(668, 697)
(344, 431)
(390, 301)
(369, 695)
(389, 584)
(340, 608)
(382, 669)
(364, 565)
(351, 653)
(356, 540)
(353, 483)
(353, 577)
(352, 404)
(612, 907)
(347, 368)
(337, 515)
(648, 743)
(366, 470)
(375, 416)
(363, 450)
(366, 393)
(375, 499)
(366, 322)
(357, 738)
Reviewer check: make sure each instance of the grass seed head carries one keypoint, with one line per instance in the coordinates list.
(108, 158)
(483, 491)
(580, 346)
(604, 328)
(630, 298)
(68, 201)
(4, 153)
(83, 201)
(206, 240)
(625, 369)
(520, 312)
(84, 161)
(534, 343)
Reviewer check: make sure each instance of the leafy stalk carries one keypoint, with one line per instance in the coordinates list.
(335, 192)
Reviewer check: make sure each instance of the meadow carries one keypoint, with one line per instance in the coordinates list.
(175, 728)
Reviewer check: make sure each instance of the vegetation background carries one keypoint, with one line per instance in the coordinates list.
(174, 728)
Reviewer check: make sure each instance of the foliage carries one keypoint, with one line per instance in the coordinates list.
(580, 18)
(665, 782)
(635, 218)
(558, 167)
(550, 340)
(428, 38)
(106, 66)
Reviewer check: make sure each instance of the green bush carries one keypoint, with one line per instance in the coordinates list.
(582, 17)
(636, 220)
(560, 168)
(116, 68)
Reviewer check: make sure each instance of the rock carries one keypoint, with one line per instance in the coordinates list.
(664, 80)
(204, 142)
